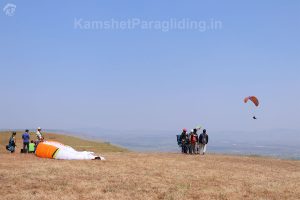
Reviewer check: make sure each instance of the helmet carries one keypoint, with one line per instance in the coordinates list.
(39, 128)
(184, 130)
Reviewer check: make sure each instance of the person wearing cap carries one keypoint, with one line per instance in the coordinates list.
(183, 141)
(203, 140)
(39, 135)
(26, 138)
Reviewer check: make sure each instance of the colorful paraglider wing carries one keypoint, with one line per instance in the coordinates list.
(253, 99)
(56, 150)
(45, 150)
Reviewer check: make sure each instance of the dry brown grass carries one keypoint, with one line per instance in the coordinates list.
(131, 175)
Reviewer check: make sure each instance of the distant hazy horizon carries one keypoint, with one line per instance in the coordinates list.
(282, 143)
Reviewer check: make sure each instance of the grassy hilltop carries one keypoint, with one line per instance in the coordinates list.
(131, 175)
(77, 143)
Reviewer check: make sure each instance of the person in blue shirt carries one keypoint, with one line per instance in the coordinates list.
(26, 139)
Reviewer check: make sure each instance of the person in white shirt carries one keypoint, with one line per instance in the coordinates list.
(39, 134)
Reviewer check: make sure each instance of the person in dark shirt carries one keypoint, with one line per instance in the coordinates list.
(26, 139)
(203, 140)
(183, 141)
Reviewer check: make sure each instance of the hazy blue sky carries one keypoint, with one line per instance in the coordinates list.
(55, 75)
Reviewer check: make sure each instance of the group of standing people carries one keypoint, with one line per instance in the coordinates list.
(192, 143)
(28, 146)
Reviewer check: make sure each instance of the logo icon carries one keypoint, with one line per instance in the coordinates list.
(9, 9)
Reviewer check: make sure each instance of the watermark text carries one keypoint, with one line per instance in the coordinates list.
(172, 24)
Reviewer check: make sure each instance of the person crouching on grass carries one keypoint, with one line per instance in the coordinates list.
(203, 140)
(31, 147)
(12, 143)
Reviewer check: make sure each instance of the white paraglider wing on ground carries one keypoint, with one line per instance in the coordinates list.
(65, 152)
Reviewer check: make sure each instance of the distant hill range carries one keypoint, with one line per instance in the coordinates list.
(279, 143)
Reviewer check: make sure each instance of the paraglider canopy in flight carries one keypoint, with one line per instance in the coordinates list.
(253, 99)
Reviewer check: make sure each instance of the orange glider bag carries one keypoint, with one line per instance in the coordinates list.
(45, 150)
